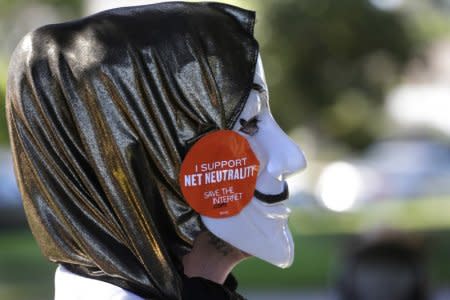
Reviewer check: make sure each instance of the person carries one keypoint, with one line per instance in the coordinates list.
(384, 264)
(101, 113)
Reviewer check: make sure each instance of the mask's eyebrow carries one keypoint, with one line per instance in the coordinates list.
(262, 93)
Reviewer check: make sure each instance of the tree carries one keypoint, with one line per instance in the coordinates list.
(10, 23)
(329, 63)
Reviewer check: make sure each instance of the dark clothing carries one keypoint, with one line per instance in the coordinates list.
(101, 113)
(197, 288)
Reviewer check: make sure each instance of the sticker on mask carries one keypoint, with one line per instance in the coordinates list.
(218, 174)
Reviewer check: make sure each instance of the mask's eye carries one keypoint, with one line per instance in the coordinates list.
(258, 88)
(249, 127)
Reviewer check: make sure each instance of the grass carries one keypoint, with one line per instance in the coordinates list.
(320, 237)
(431, 214)
(24, 273)
(315, 257)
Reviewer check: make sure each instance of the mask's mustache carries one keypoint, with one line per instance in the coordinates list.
(269, 198)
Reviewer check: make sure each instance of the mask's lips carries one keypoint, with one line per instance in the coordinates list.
(273, 198)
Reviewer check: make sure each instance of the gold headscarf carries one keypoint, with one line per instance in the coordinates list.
(101, 112)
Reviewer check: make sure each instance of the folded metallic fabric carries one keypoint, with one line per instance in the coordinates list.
(101, 112)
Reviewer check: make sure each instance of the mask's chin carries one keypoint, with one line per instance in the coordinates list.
(260, 230)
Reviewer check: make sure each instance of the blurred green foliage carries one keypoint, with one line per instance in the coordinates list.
(9, 6)
(330, 62)
(9, 10)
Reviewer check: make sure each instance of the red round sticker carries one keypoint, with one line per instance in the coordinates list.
(218, 174)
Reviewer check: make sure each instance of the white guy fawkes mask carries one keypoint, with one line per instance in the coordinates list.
(261, 228)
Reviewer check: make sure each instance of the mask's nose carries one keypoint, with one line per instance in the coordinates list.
(287, 159)
(284, 156)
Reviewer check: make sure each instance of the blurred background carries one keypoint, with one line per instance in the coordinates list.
(363, 86)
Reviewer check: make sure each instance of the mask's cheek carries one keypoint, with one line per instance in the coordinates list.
(253, 232)
(271, 211)
(276, 242)
(259, 153)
